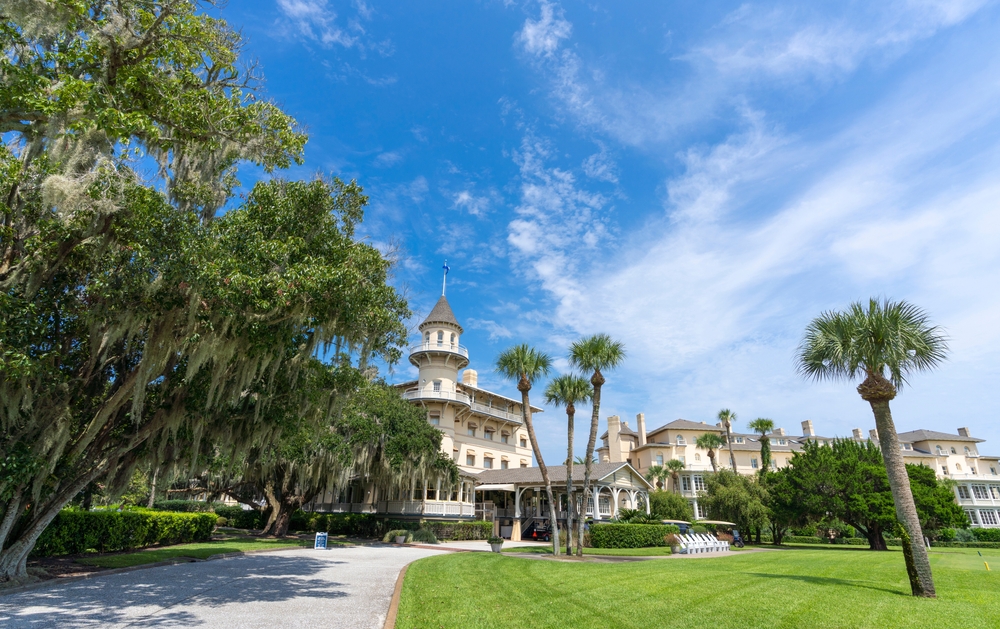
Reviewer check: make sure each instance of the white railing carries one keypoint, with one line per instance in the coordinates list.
(424, 394)
(433, 346)
(496, 412)
(426, 507)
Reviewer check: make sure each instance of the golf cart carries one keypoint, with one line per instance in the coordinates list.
(723, 526)
(681, 524)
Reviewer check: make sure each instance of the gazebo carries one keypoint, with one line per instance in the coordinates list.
(516, 498)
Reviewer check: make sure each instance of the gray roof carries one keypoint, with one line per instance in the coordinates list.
(933, 435)
(441, 313)
(624, 430)
(683, 424)
(557, 474)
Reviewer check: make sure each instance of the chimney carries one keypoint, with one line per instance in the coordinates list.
(614, 439)
(780, 432)
(857, 434)
(470, 377)
(640, 425)
(807, 428)
(963, 432)
(873, 434)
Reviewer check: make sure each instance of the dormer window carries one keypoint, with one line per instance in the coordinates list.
(953, 451)
(680, 440)
(739, 440)
(940, 450)
(967, 451)
(782, 442)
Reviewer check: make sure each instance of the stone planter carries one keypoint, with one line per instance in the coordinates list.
(675, 550)
(400, 539)
(496, 547)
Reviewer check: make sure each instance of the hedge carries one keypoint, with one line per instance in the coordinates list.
(812, 539)
(965, 544)
(73, 532)
(630, 535)
(187, 506)
(461, 530)
(358, 524)
(240, 518)
(986, 535)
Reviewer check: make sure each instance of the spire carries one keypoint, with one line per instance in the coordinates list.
(441, 313)
(444, 282)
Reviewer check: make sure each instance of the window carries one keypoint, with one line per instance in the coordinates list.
(452, 338)
(440, 337)
(504, 438)
(782, 442)
(699, 483)
(470, 459)
(488, 463)
(488, 434)
(995, 491)
(958, 466)
(435, 419)
(906, 446)
(740, 440)
(682, 460)
(504, 465)
(524, 444)
(659, 459)
(967, 451)
(973, 470)
(680, 440)
(940, 451)
(963, 492)
(980, 492)
(989, 517)
(437, 386)
(972, 516)
(471, 430)
(524, 464)
(822, 442)
(686, 483)
(753, 463)
(697, 457)
(993, 471)
(454, 455)
(944, 470)
(774, 464)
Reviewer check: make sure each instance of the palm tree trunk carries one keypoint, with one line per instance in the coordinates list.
(553, 516)
(570, 506)
(598, 381)
(729, 442)
(917, 561)
(677, 482)
(711, 457)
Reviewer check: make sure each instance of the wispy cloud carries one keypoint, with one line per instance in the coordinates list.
(318, 21)
(541, 37)
(495, 330)
(387, 159)
(475, 205)
(601, 166)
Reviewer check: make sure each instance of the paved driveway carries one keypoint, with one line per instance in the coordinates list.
(340, 587)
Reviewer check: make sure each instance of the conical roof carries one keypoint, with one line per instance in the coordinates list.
(441, 313)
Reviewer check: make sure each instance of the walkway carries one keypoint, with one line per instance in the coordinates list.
(340, 587)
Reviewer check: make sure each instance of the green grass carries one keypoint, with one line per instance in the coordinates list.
(617, 552)
(201, 550)
(815, 588)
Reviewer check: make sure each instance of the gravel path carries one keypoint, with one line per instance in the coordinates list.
(340, 587)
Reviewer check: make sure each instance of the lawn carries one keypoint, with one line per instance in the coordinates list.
(201, 550)
(796, 588)
(617, 552)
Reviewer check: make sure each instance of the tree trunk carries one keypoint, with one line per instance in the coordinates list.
(570, 503)
(12, 512)
(877, 391)
(524, 386)
(152, 490)
(729, 442)
(711, 457)
(677, 482)
(597, 380)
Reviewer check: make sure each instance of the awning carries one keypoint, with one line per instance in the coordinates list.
(717, 522)
(499, 487)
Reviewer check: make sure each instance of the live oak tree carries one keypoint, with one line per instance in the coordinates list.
(593, 356)
(135, 318)
(882, 341)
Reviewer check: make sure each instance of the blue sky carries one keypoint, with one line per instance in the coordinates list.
(697, 179)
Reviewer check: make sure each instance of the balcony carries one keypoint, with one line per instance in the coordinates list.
(514, 418)
(427, 507)
(436, 396)
(432, 346)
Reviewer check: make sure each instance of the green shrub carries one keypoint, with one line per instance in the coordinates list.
(986, 535)
(964, 535)
(965, 544)
(221, 521)
(241, 518)
(356, 524)
(630, 535)
(668, 505)
(187, 506)
(391, 536)
(804, 539)
(73, 532)
(946, 535)
(461, 530)
(424, 536)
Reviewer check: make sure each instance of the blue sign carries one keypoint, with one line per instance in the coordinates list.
(320, 541)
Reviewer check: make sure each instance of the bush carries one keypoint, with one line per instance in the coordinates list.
(667, 505)
(390, 536)
(964, 535)
(187, 506)
(965, 544)
(73, 532)
(461, 530)
(221, 521)
(986, 535)
(241, 518)
(630, 535)
(946, 535)
(357, 524)
(424, 536)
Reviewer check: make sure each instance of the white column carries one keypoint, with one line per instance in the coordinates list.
(597, 502)
(646, 500)
(437, 491)
(517, 502)
(425, 490)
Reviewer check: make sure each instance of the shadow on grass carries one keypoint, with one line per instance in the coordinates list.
(827, 581)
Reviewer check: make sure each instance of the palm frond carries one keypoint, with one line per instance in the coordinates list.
(599, 352)
(568, 390)
(523, 361)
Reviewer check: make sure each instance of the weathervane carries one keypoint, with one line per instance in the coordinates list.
(444, 282)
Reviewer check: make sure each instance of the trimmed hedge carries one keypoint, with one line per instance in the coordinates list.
(461, 530)
(812, 539)
(186, 506)
(240, 518)
(986, 535)
(358, 524)
(73, 532)
(630, 535)
(965, 544)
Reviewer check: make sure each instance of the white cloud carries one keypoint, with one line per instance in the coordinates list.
(496, 331)
(541, 37)
(314, 20)
(474, 205)
(601, 166)
(388, 159)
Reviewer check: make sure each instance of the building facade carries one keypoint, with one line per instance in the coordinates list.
(952, 456)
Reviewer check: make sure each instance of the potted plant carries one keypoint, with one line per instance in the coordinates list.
(674, 543)
(401, 539)
(495, 543)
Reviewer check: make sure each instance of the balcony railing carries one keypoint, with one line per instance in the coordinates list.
(424, 394)
(497, 412)
(427, 507)
(434, 346)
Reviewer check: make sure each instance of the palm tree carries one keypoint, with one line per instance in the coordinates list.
(526, 364)
(579, 460)
(710, 441)
(658, 474)
(675, 466)
(597, 353)
(882, 342)
(727, 417)
(567, 391)
(764, 426)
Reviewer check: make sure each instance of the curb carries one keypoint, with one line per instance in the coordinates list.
(159, 564)
(390, 617)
